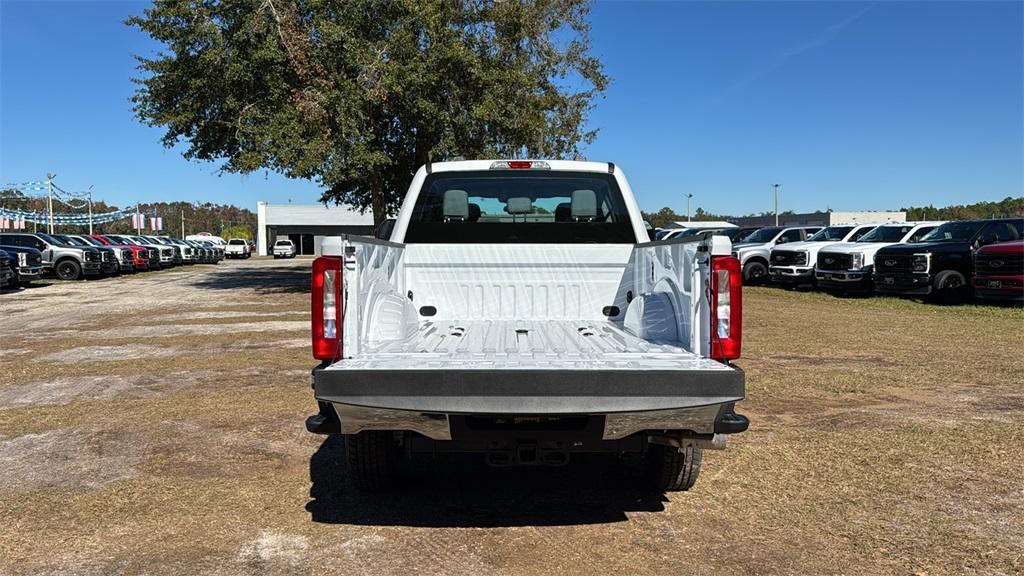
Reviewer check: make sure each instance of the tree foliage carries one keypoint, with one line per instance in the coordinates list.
(356, 95)
(1006, 207)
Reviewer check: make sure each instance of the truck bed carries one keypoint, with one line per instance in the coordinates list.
(525, 345)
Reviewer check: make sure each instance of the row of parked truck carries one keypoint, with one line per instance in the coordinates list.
(25, 257)
(946, 261)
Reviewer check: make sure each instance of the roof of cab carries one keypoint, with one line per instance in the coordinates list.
(564, 165)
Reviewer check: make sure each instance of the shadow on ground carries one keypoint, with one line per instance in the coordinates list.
(461, 491)
(262, 280)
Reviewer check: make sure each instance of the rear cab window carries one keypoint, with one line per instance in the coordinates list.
(513, 207)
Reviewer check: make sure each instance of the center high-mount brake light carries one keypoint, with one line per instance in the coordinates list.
(726, 308)
(327, 307)
(520, 165)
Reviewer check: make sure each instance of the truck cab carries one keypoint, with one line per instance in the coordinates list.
(754, 251)
(793, 263)
(520, 312)
(941, 265)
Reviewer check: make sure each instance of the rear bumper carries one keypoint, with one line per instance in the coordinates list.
(629, 401)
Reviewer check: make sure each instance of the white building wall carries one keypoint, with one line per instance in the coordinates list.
(261, 227)
(866, 217)
(298, 215)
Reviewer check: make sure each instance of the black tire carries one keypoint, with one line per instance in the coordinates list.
(669, 469)
(372, 459)
(68, 269)
(950, 286)
(755, 272)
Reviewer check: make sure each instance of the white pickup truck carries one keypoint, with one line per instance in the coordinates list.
(237, 248)
(520, 311)
(793, 263)
(847, 267)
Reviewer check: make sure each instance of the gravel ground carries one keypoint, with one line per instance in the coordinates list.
(154, 425)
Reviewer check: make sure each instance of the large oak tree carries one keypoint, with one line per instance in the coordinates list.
(356, 95)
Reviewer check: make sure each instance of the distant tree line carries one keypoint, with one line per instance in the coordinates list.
(666, 216)
(1005, 208)
(216, 219)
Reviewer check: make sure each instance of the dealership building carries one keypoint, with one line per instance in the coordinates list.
(307, 224)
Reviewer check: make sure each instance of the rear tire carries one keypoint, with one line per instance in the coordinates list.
(754, 272)
(669, 469)
(68, 269)
(372, 459)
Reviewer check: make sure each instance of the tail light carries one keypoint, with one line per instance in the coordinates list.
(726, 308)
(327, 308)
(520, 165)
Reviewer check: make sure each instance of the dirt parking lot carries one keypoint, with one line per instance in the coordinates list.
(154, 425)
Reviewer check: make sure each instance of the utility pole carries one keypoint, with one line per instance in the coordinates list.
(776, 187)
(49, 201)
(183, 224)
(138, 220)
(688, 196)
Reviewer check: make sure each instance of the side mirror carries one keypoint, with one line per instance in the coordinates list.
(782, 240)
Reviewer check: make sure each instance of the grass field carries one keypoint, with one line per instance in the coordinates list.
(154, 425)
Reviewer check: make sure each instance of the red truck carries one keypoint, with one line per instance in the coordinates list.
(140, 255)
(999, 271)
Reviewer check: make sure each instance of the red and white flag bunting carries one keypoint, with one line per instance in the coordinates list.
(156, 223)
(12, 223)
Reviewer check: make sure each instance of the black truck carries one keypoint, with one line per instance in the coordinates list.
(941, 264)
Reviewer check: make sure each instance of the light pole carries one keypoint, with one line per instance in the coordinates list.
(49, 202)
(776, 187)
(90, 210)
(688, 196)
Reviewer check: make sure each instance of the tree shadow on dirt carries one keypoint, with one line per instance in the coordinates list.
(262, 280)
(461, 491)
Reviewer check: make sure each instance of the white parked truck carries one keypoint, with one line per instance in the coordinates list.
(284, 248)
(755, 249)
(847, 267)
(520, 311)
(237, 248)
(793, 263)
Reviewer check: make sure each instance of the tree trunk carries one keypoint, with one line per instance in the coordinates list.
(378, 201)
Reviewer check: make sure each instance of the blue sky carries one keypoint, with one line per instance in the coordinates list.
(847, 105)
